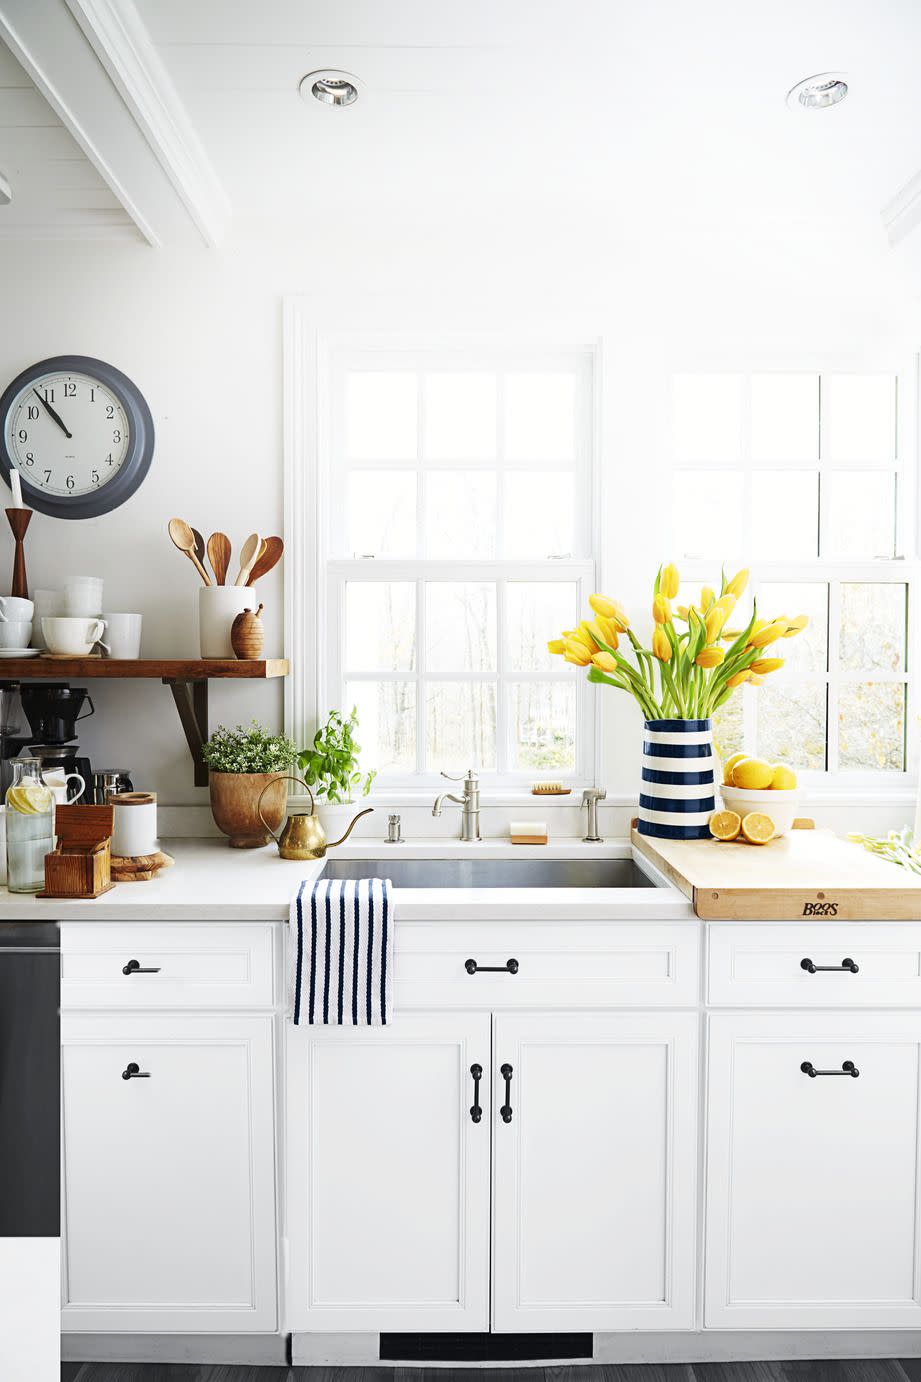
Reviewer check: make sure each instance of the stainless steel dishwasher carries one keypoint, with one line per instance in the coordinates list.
(30, 1064)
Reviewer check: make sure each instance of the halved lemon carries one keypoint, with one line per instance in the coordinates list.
(757, 828)
(725, 825)
(728, 766)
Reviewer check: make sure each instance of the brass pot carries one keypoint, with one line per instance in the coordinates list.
(303, 836)
(235, 805)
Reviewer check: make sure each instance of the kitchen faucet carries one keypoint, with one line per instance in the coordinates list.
(590, 798)
(470, 801)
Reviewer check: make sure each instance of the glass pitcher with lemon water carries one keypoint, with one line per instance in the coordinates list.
(29, 827)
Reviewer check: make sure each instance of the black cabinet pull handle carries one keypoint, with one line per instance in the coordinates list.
(135, 967)
(134, 1072)
(848, 1068)
(507, 1072)
(476, 1113)
(510, 967)
(812, 968)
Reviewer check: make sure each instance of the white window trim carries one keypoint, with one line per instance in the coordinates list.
(313, 582)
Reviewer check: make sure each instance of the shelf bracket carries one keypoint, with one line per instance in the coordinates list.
(191, 699)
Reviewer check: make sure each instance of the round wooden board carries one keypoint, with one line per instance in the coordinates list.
(140, 868)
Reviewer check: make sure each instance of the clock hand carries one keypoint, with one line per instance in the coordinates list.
(51, 413)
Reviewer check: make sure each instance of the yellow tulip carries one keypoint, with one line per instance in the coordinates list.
(739, 678)
(669, 581)
(603, 631)
(605, 661)
(576, 653)
(796, 625)
(754, 680)
(581, 637)
(556, 646)
(706, 598)
(577, 659)
(715, 621)
(611, 610)
(660, 644)
(738, 583)
(768, 634)
(730, 635)
(766, 664)
(726, 602)
(681, 612)
(710, 657)
(661, 609)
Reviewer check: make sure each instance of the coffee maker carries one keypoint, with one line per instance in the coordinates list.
(52, 710)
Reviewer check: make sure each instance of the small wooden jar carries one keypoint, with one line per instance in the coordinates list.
(247, 636)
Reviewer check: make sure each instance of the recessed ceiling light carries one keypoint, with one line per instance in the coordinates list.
(819, 92)
(6, 191)
(330, 88)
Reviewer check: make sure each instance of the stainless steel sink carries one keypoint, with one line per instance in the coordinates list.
(494, 873)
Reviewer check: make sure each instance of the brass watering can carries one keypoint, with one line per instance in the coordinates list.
(302, 836)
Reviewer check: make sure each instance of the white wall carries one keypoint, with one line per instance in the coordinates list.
(200, 333)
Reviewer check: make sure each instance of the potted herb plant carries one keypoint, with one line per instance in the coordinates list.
(242, 762)
(330, 768)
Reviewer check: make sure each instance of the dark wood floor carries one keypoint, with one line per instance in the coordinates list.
(853, 1370)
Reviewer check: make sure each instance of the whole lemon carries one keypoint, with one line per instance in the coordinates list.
(754, 774)
(784, 778)
(728, 766)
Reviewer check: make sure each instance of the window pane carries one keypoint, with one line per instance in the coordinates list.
(380, 416)
(380, 626)
(381, 514)
(460, 417)
(871, 726)
(858, 417)
(542, 721)
(791, 723)
(538, 515)
(858, 514)
(785, 417)
(872, 636)
(707, 417)
(807, 651)
(540, 417)
(461, 726)
(460, 625)
(727, 726)
(785, 514)
(386, 724)
(534, 613)
(707, 513)
(460, 513)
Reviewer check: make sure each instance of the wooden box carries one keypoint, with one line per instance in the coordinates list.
(81, 865)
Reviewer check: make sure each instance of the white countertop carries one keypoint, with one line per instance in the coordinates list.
(212, 882)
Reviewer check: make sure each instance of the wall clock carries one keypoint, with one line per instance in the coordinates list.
(80, 434)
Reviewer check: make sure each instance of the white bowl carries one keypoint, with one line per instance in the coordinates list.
(780, 805)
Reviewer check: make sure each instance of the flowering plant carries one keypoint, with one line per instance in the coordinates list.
(251, 750)
(696, 673)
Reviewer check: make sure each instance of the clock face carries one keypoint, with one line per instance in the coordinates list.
(68, 434)
(79, 433)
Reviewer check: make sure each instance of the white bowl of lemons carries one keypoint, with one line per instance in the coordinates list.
(753, 784)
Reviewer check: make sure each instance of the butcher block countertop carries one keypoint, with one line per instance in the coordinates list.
(806, 873)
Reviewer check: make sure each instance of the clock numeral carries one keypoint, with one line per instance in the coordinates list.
(70, 482)
(95, 477)
(70, 391)
(49, 395)
(23, 434)
(92, 395)
(110, 411)
(110, 459)
(47, 477)
(33, 414)
(30, 458)
(116, 436)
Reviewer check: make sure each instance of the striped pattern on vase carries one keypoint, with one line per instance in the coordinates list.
(677, 795)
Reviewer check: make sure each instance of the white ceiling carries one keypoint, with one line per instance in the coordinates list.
(649, 116)
(57, 193)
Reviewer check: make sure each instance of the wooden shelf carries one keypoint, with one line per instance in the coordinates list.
(187, 679)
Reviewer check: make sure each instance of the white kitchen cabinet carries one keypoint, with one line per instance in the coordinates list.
(812, 1181)
(169, 1179)
(594, 1177)
(388, 1175)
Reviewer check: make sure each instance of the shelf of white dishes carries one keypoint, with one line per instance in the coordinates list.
(187, 678)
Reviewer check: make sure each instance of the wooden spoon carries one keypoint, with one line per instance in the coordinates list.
(184, 539)
(219, 555)
(269, 558)
(248, 557)
(199, 545)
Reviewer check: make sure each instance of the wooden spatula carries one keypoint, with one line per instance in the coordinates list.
(219, 550)
(271, 555)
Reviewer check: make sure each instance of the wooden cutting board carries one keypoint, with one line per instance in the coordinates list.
(806, 875)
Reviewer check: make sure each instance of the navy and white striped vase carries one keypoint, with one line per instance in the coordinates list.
(678, 794)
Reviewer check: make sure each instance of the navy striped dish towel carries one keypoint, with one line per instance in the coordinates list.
(340, 953)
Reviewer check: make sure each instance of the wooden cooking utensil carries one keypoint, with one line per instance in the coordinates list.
(248, 557)
(270, 557)
(219, 550)
(184, 538)
(199, 545)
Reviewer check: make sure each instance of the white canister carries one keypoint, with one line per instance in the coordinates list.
(218, 606)
(135, 828)
(50, 604)
(83, 596)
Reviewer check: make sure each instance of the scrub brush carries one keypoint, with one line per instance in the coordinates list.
(550, 789)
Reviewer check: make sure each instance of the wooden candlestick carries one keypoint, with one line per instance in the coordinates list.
(19, 520)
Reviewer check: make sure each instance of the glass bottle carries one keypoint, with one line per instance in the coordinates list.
(29, 827)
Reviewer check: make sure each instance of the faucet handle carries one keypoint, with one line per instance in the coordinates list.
(468, 776)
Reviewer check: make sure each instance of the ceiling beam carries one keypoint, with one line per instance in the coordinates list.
(96, 66)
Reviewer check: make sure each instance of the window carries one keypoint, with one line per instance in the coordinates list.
(458, 519)
(804, 477)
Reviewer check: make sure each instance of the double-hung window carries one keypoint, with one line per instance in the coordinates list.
(810, 477)
(456, 505)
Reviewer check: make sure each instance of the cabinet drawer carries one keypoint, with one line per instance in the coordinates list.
(568, 964)
(203, 966)
(780, 965)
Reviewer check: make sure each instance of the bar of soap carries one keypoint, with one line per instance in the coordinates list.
(528, 832)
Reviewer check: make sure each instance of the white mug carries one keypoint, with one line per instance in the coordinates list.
(15, 608)
(57, 780)
(83, 595)
(123, 635)
(135, 829)
(48, 603)
(72, 637)
(15, 633)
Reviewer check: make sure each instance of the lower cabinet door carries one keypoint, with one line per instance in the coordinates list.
(169, 1180)
(812, 1178)
(594, 1182)
(388, 1175)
